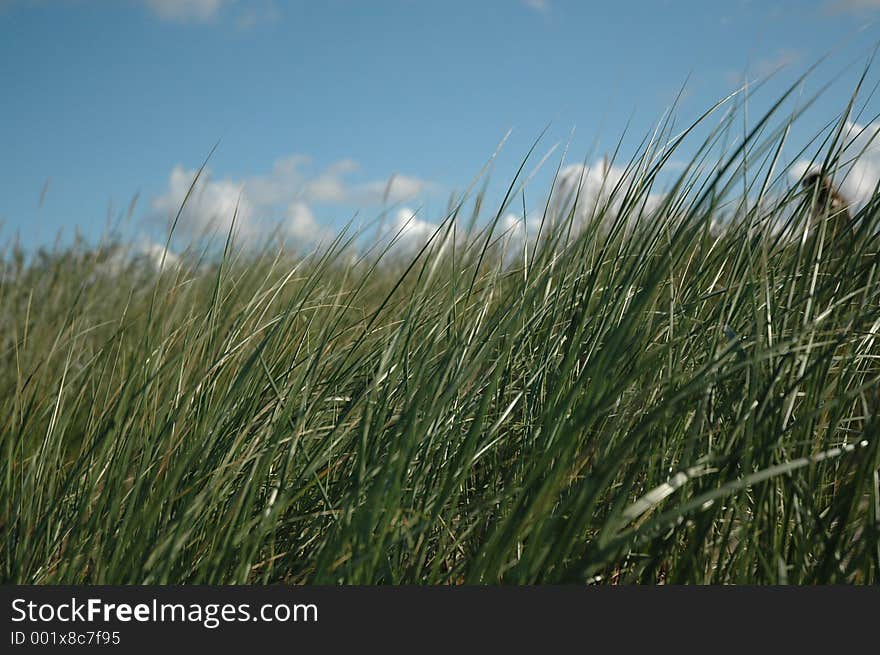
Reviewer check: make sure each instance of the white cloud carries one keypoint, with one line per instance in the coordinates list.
(864, 175)
(859, 172)
(211, 206)
(410, 232)
(143, 254)
(513, 227)
(407, 222)
(184, 11)
(515, 232)
(155, 254)
(598, 187)
(300, 224)
(283, 197)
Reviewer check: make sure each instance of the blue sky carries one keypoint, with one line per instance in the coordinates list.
(317, 104)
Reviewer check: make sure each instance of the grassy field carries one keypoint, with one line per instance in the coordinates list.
(688, 394)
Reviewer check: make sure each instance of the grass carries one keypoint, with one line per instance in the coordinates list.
(638, 399)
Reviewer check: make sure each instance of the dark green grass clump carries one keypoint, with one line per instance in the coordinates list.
(690, 400)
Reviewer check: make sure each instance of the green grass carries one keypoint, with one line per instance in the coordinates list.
(671, 402)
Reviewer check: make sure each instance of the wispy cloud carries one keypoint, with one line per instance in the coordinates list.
(765, 66)
(284, 197)
(254, 14)
(541, 6)
(244, 14)
(332, 185)
(853, 6)
(185, 11)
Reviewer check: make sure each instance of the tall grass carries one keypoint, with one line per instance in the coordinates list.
(686, 394)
